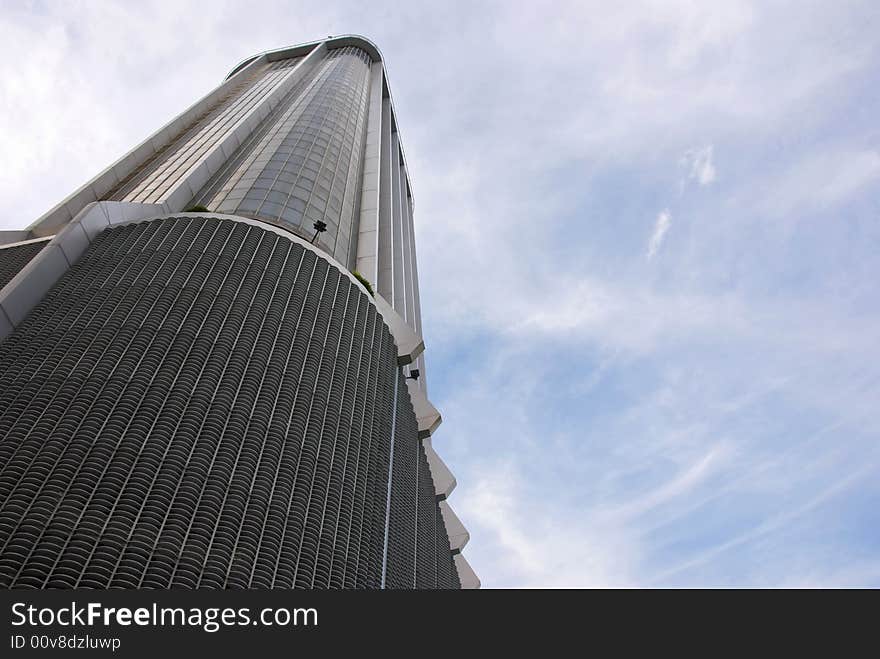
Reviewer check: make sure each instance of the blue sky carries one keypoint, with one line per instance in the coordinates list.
(648, 243)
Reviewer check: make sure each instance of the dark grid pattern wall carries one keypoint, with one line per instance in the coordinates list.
(306, 165)
(205, 403)
(13, 259)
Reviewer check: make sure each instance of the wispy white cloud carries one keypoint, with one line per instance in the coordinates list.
(679, 485)
(700, 165)
(661, 227)
(771, 525)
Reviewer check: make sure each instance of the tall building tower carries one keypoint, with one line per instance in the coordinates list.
(198, 387)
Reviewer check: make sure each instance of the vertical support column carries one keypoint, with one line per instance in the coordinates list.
(368, 228)
(384, 277)
(406, 249)
(414, 270)
(417, 308)
(397, 268)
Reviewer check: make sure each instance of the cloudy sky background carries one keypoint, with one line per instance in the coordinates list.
(648, 241)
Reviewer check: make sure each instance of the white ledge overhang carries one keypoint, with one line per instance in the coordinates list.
(444, 479)
(427, 415)
(467, 576)
(409, 344)
(25, 242)
(458, 534)
(16, 237)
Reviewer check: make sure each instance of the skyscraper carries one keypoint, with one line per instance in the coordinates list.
(211, 369)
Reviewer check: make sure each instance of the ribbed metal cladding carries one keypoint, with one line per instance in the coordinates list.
(203, 403)
(13, 259)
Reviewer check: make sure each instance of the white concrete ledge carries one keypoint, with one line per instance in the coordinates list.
(16, 237)
(458, 534)
(444, 479)
(427, 415)
(409, 344)
(467, 576)
(26, 242)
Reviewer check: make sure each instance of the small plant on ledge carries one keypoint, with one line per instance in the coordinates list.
(364, 281)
